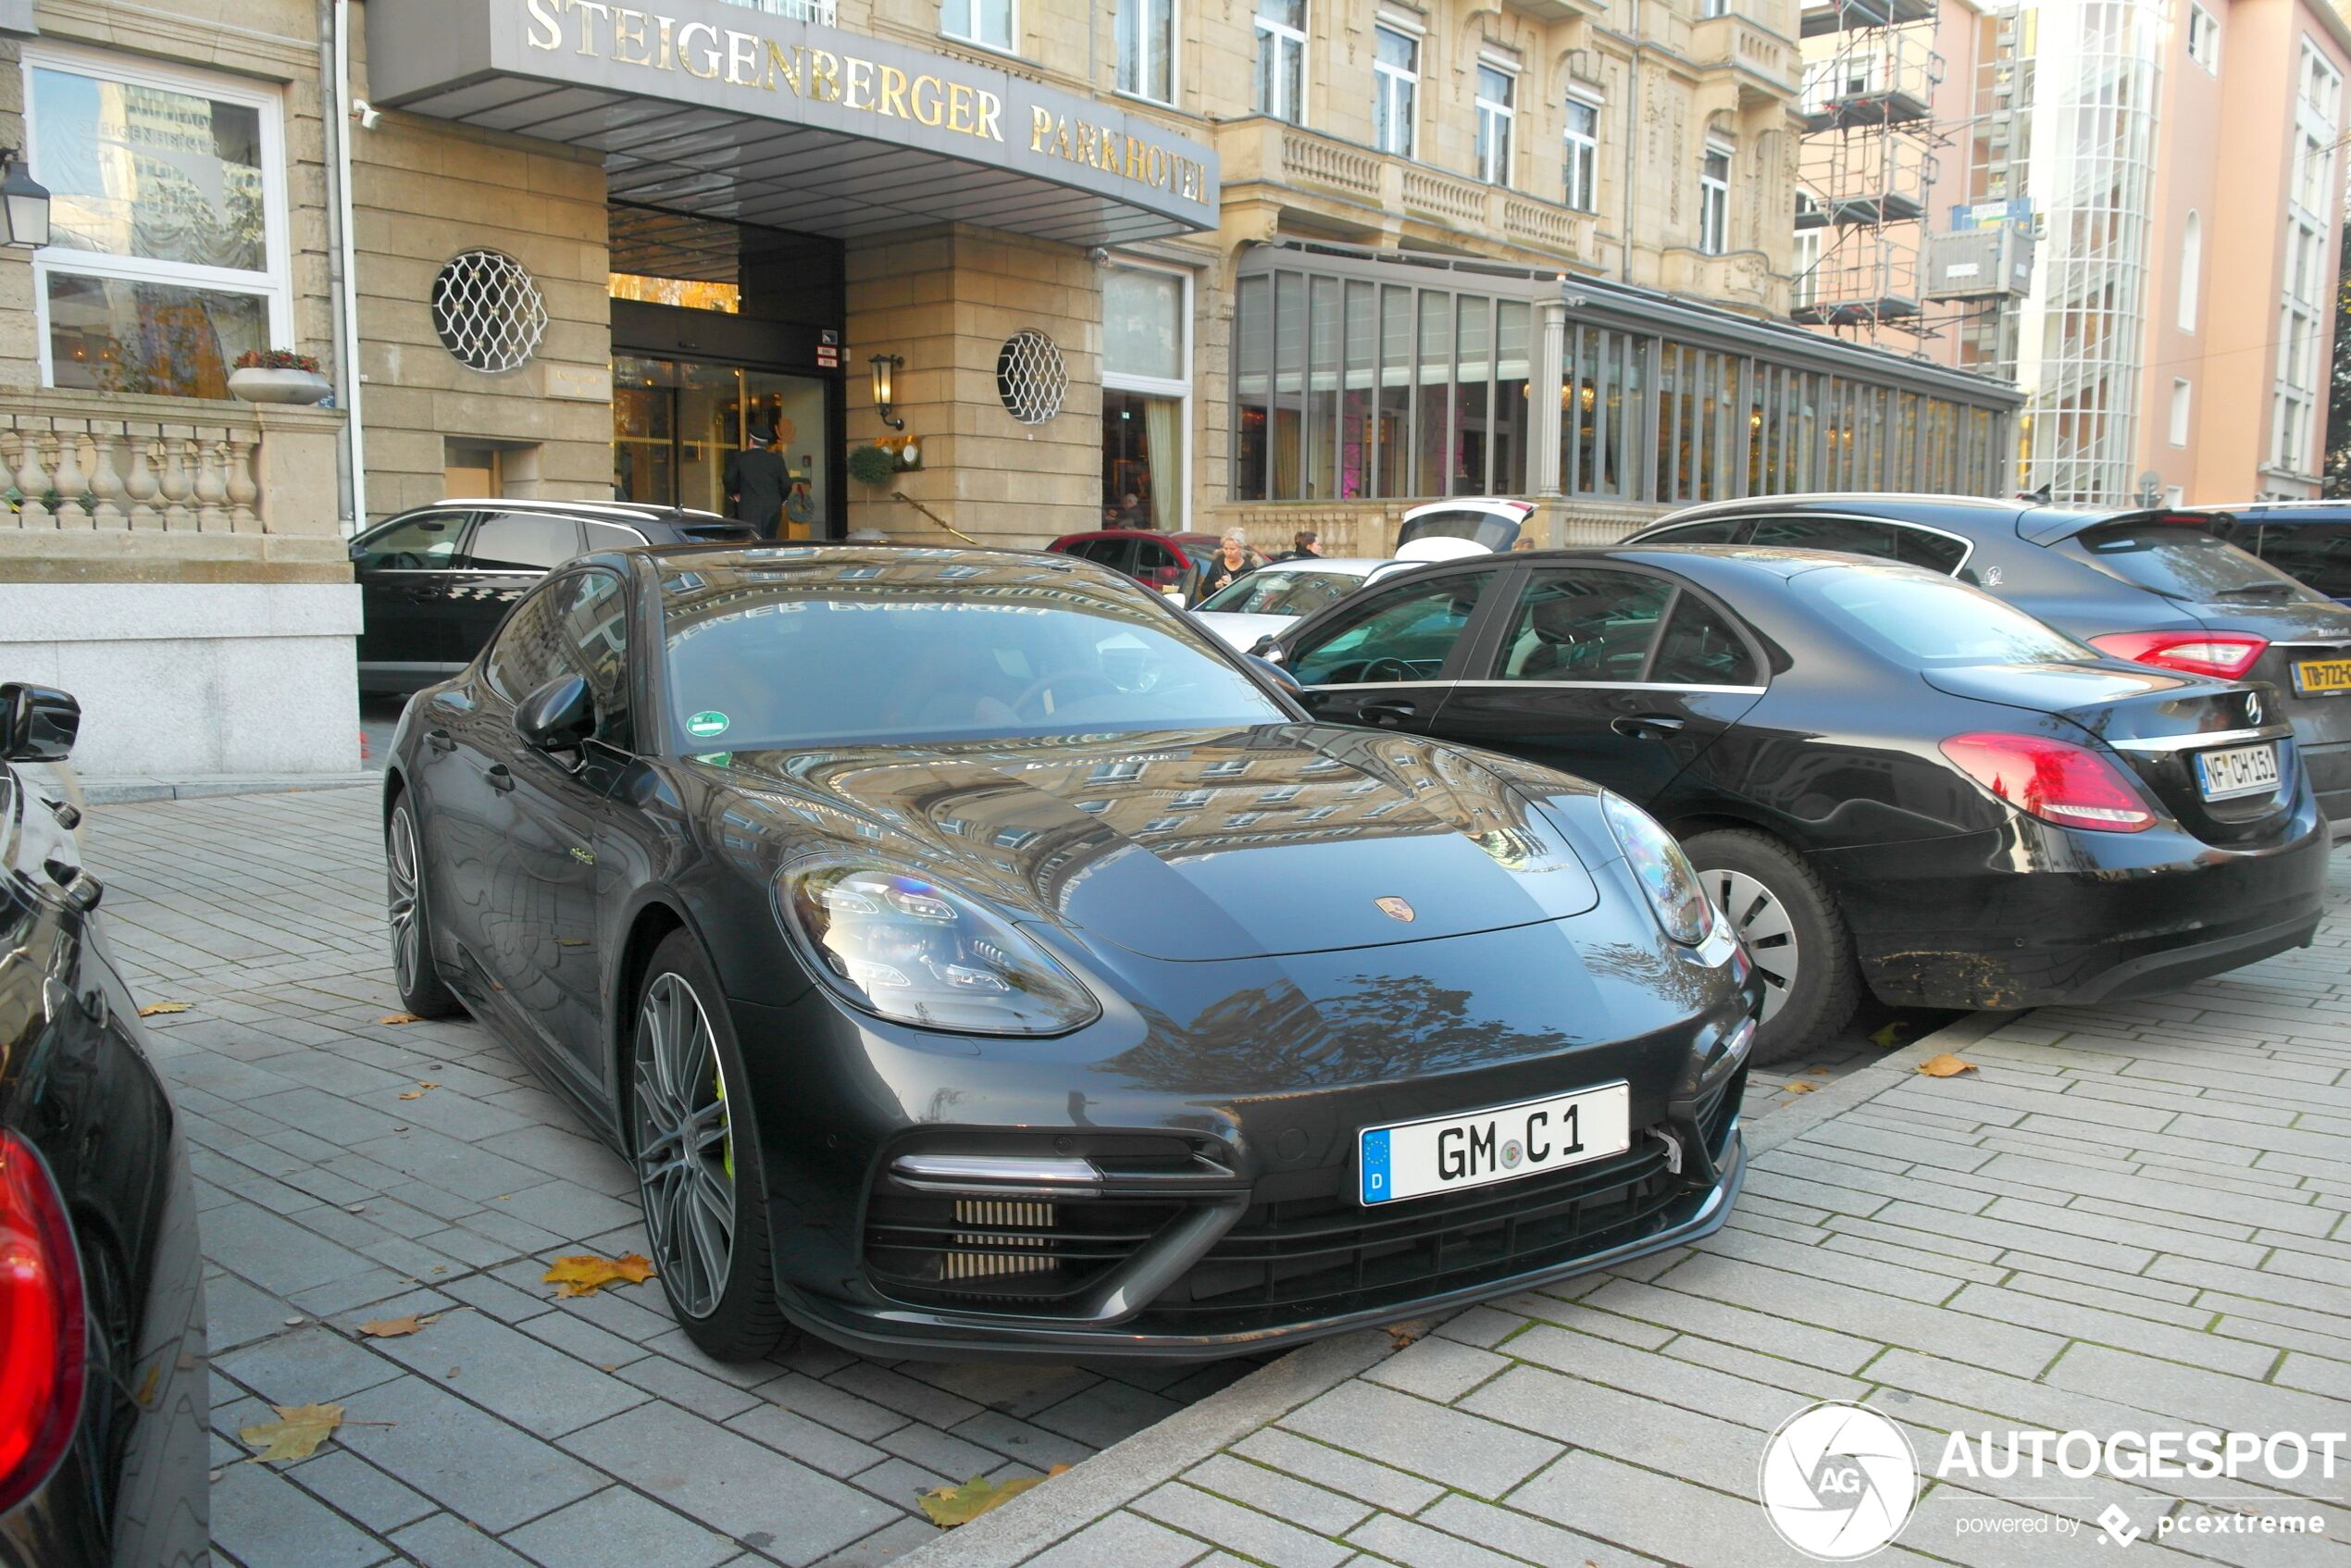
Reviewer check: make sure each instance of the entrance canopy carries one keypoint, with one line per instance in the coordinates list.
(718, 109)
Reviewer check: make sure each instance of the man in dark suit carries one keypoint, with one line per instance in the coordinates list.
(755, 482)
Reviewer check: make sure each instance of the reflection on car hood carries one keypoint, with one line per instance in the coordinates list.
(1193, 845)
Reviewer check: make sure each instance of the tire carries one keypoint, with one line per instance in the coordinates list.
(697, 1158)
(418, 978)
(1794, 933)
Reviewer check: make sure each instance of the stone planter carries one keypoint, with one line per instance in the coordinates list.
(256, 385)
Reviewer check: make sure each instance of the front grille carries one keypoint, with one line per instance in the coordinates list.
(979, 1253)
(1717, 1109)
(1326, 1253)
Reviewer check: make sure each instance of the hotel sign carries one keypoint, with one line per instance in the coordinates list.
(706, 53)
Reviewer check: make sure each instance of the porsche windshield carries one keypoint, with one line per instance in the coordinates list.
(804, 647)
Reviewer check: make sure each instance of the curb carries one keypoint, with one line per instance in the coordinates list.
(1101, 1486)
(130, 791)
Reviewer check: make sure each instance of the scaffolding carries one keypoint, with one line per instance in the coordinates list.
(1866, 167)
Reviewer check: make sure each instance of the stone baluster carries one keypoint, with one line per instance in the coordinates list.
(106, 484)
(32, 483)
(243, 492)
(212, 484)
(71, 480)
(11, 448)
(179, 484)
(140, 487)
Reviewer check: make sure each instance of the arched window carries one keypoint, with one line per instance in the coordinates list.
(2191, 270)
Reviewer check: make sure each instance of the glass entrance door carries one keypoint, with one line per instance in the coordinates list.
(675, 421)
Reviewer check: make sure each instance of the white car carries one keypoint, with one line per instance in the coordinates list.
(1264, 602)
(1470, 525)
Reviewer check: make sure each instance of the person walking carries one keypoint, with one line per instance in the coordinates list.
(1304, 545)
(1230, 565)
(756, 480)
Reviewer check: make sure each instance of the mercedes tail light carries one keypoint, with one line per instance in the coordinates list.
(2054, 781)
(2225, 653)
(43, 1333)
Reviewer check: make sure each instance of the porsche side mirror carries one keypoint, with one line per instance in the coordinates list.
(37, 723)
(1275, 673)
(1265, 648)
(559, 716)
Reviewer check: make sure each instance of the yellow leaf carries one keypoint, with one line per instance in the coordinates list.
(296, 1432)
(399, 1018)
(413, 1094)
(950, 1506)
(1800, 1086)
(1945, 1066)
(585, 1273)
(1888, 1035)
(393, 1327)
(160, 1009)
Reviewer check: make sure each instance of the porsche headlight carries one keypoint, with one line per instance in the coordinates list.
(1665, 873)
(904, 946)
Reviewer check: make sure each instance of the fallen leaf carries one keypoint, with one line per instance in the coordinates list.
(1400, 1336)
(296, 1322)
(1892, 1032)
(413, 1094)
(399, 1018)
(1945, 1066)
(162, 1009)
(394, 1327)
(296, 1432)
(950, 1506)
(1800, 1086)
(585, 1273)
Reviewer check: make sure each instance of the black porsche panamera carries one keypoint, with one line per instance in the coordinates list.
(975, 958)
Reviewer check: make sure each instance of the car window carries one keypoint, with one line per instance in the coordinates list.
(2180, 561)
(1118, 554)
(577, 624)
(2318, 553)
(1715, 530)
(1919, 620)
(1854, 536)
(1404, 634)
(1156, 563)
(1488, 528)
(1700, 649)
(522, 541)
(1935, 552)
(1578, 624)
(419, 544)
(611, 536)
(1272, 591)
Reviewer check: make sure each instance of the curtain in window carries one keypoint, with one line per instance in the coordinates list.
(1163, 446)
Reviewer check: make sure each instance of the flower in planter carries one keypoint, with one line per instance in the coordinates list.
(871, 464)
(277, 359)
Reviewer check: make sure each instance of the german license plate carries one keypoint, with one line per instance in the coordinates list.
(2240, 770)
(1449, 1154)
(2315, 677)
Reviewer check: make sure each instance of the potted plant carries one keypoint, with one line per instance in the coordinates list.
(871, 464)
(277, 375)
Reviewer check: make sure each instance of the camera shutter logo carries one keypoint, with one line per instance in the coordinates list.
(1838, 1481)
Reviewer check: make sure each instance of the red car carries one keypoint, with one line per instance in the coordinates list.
(1169, 562)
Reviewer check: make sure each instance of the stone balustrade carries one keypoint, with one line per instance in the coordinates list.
(64, 472)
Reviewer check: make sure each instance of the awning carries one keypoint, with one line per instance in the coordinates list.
(725, 111)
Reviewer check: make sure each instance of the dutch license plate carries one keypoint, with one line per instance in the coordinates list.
(1447, 1153)
(2315, 677)
(2240, 770)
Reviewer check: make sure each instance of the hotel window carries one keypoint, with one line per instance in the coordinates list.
(1714, 199)
(1495, 91)
(1710, 9)
(2182, 396)
(1583, 153)
(1396, 85)
(1147, 390)
(1147, 48)
(167, 254)
(2304, 308)
(2204, 39)
(2191, 270)
(1281, 59)
(978, 22)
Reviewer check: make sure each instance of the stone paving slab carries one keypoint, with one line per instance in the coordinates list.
(2134, 1218)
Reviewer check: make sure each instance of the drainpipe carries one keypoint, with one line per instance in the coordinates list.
(1631, 142)
(334, 120)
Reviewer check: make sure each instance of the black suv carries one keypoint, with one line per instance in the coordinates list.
(435, 583)
(2158, 587)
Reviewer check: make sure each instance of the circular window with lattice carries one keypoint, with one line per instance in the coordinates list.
(488, 312)
(1031, 377)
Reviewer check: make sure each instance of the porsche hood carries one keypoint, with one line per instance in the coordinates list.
(1194, 845)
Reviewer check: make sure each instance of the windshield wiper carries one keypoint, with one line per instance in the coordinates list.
(2255, 588)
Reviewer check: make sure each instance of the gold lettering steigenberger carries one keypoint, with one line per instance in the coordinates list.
(652, 42)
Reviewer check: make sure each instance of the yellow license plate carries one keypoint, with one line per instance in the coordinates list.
(2314, 676)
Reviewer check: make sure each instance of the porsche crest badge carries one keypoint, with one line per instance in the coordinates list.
(1394, 908)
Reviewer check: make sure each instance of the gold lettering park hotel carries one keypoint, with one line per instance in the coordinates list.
(1189, 265)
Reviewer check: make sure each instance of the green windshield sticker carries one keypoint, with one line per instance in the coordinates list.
(708, 723)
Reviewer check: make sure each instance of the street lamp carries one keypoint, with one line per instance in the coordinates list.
(885, 387)
(24, 206)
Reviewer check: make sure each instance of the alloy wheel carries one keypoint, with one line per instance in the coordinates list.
(1763, 923)
(685, 1147)
(407, 931)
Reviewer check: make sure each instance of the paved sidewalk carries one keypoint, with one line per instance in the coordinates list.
(2136, 1217)
(517, 1429)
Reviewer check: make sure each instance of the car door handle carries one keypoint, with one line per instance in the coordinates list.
(1392, 710)
(500, 779)
(1645, 727)
(441, 740)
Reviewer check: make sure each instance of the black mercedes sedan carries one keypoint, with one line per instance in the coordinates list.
(2163, 588)
(1884, 777)
(102, 1394)
(977, 958)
